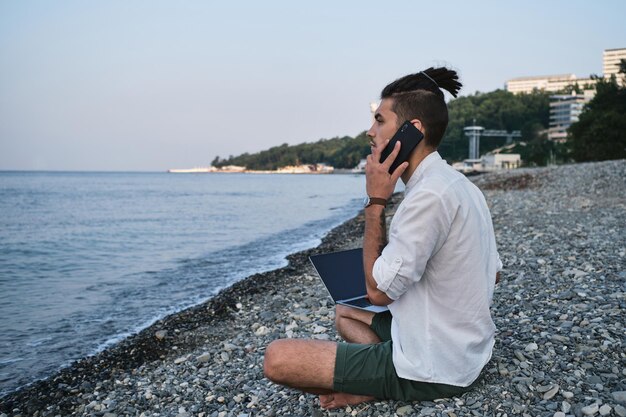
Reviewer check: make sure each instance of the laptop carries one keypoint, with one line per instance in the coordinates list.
(342, 274)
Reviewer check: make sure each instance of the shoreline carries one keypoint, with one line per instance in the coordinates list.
(112, 308)
(145, 345)
(180, 309)
(559, 309)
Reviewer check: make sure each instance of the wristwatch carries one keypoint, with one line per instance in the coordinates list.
(368, 201)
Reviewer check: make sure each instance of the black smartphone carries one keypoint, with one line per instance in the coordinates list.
(409, 136)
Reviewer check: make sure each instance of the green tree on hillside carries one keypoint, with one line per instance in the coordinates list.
(345, 152)
(600, 132)
(499, 110)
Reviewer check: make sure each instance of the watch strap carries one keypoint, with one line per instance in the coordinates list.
(376, 200)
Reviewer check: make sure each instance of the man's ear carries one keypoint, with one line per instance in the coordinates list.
(418, 124)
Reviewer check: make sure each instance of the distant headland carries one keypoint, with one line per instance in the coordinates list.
(289, 169)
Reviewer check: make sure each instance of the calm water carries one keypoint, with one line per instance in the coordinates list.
(89, 258)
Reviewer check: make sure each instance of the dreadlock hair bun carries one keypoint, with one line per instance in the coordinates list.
(431, 79)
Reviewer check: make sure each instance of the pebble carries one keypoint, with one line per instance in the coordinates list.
(531, 347)
(559, 338)
(551, 393)
(262, 331)
(565, 407)
(590, 410)
(404, 410)
(605, 410)
(319, 329)
(180, 360)
(558, 310)
(619, 396)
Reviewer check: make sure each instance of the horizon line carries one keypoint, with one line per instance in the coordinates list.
(69, 171)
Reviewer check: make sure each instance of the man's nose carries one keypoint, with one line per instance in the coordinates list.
(370, 132)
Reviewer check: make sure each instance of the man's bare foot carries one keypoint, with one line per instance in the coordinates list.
(341, 399)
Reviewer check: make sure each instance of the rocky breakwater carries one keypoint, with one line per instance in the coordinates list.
(560, 312)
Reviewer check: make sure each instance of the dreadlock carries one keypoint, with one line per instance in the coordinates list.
(419, 96)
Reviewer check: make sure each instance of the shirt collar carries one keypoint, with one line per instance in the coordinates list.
(421, 168)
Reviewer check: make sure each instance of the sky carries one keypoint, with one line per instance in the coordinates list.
(149, 85)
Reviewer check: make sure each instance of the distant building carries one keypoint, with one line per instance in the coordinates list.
(233, 168)
(306, 169)
(586, 84)
(564, 110)
(546, 83)
(360, 168)
(196, 170)
(553, 83)
(610, 63)
(489, 162)
(501, 161)
(468, 166)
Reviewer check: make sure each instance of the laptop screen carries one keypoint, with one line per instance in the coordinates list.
(342, 273)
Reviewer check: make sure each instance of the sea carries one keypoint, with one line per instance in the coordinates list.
(89, 258)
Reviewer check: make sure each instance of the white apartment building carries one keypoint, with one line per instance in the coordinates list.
(553, 83)
(546, 83)
(564, 110)
(610, 63)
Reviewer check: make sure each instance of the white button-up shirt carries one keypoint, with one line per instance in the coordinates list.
(440, 267)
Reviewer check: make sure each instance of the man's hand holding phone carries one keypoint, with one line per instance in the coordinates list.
(386, 164)
(379, 182)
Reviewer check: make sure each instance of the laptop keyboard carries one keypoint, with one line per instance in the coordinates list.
(360, 302)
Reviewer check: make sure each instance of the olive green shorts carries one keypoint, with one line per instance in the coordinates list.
(368, 370)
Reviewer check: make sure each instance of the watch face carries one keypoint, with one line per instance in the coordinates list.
(366, 201)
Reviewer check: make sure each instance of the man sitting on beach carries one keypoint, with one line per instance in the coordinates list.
(436, 273)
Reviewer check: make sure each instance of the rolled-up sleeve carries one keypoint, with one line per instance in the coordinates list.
(417, 232)
(385, 276)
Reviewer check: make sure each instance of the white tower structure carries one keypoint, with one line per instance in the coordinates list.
(473, 133)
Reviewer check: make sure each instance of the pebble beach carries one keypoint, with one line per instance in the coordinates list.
(559, 309)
